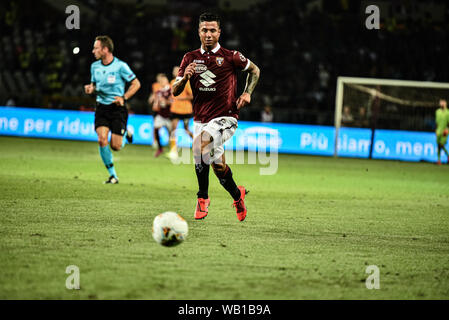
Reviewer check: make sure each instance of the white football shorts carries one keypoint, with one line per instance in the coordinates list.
(221, 129)
(160, 121)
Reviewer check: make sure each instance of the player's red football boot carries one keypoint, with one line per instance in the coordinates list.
(239, 205)
(202, 208)
(158, 153)
(439, 162)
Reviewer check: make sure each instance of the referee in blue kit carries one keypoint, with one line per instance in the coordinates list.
(108, 78)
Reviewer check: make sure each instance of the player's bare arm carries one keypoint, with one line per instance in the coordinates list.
(251, 82)
(135, 85)
(179, 85)
(151, 99)
(89, 88)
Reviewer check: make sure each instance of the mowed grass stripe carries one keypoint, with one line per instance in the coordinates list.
(311, 231)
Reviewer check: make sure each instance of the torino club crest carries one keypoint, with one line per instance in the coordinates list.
(219, 61)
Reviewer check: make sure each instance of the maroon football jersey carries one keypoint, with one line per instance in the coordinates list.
(162, 98)
(214, 84)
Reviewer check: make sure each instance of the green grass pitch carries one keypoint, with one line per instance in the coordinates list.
(311, 231)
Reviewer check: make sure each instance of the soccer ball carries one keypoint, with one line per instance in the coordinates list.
(169, 229)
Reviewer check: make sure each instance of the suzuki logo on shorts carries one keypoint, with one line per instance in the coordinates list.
(207, 78)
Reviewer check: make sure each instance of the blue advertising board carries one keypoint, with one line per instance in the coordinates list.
(65, 124)
(406, 145)
(354, 142)
(253, 136)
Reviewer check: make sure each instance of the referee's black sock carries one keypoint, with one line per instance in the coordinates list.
(228, 182)
(202, 174)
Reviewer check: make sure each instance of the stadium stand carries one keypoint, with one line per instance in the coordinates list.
(301, 47)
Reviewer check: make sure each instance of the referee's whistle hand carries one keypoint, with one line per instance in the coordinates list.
(119, 101)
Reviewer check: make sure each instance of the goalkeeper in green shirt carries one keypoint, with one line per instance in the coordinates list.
(442, 120)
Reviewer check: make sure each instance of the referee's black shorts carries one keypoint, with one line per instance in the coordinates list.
(112, 116)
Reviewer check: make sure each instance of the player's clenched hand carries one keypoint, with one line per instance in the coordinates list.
(189, 71)
(119, 101)
(243, 100)
(89, 88)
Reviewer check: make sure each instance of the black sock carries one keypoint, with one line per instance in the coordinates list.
(202, 174)
(156, 137)
(226, 180)
(445, 151)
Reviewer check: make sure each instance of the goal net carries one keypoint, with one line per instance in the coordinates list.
(386, 104)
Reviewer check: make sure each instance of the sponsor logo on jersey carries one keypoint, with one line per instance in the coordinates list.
(198, 61)
(219, 61)
(207, 78)
(242, 57)
(200, 68)
(111, 79)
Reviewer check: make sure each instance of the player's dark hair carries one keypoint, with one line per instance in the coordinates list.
(106, 41)
(209, 16)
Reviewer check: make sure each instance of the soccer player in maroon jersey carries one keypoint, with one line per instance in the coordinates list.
(212, 72)
(161, 107)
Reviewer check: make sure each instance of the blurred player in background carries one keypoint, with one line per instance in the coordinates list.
(181, 109)
(161, 106)
(212, 73)
(442, 121)
(154, 87)
(108, 78)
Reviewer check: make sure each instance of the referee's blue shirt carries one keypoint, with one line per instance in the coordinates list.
(110, 79)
